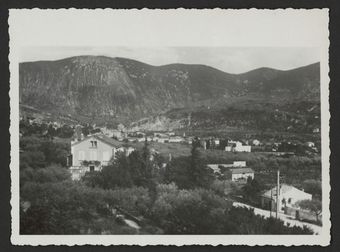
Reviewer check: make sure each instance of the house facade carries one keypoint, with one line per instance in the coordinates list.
(92, 153)
(237, 171)
(288, 196)
(241, 175)
(236, 146)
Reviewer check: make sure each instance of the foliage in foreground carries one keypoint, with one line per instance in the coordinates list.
(53, 204)
(66, 207)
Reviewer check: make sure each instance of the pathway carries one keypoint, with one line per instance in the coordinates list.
(286, 218)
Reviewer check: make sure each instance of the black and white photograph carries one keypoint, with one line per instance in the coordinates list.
(169, 127)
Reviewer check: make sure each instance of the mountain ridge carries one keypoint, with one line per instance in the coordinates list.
(170, 64)
(125, 89)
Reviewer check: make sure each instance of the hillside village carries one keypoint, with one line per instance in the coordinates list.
(150, 150)
(92, 148)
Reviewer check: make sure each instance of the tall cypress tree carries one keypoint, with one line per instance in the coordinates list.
(199, 174)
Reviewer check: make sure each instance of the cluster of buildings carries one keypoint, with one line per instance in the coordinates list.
(93, 152)
(237, 146)
(227, 145)
(159, 137)
(237, 171)
(123, 134)
(285, 199)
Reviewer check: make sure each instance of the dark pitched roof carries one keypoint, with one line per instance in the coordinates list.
(241, 170)
(110, 141)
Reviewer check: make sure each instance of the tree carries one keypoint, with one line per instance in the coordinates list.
(118, 174)
(252, 190)
(137, 169)
(52, 173)
(313, 186)
(244, 221)
(189, 172)
(224, 187)
(314, 206)
(33, 159)
(134, 200)
(65, 208)
(38, 152)
(147, 167)
(198, 173)
(177, 171)
(181, 211)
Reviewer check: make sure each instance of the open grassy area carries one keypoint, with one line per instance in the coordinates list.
(176, 149)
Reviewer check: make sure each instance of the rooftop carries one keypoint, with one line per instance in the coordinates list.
(103, 138)
(284, 188)
(241, 170)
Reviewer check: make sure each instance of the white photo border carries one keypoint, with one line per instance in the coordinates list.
(169, 28)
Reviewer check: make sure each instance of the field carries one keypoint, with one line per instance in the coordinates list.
(294, 169)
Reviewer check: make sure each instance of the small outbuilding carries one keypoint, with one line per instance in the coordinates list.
(288, 196)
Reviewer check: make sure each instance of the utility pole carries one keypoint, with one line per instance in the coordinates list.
(277, 194)
(271, 201)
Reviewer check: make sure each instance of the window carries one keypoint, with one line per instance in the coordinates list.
(91, 168)
(93, 144)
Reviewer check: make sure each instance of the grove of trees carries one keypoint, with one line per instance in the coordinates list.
(182, 197)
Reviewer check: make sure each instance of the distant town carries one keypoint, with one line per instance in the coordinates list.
(92, 148)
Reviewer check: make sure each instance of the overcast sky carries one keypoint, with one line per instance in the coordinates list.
(231, 60)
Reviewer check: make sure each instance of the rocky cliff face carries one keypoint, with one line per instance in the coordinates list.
(98, 86)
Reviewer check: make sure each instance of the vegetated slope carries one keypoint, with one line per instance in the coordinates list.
(124, 89)
(101, 86)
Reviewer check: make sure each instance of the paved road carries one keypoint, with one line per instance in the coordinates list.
(286, 218)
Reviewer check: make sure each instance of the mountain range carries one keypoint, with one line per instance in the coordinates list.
(120, 89)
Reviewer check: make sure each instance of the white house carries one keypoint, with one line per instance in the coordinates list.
(176, 139)
(239, 164)
(236, 146)
(92, 153)
(288, 196)
(241, 174)
(237, 171)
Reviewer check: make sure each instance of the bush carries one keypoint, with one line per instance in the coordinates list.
(244, 221)
(60, 208)
(313, 187)
(135, 200)
(181, 211)
(224, 187)
(52, 173)
(37, 152)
